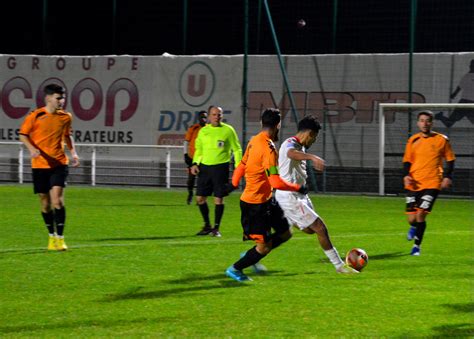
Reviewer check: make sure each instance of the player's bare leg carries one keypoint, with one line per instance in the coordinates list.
(319, 227)
(48, 217)
(57, 202)
(204, 209)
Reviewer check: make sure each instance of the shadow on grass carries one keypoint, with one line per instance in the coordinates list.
(388, 256)
(222, 278)
(276, 273)
(171, 237)
(144, 205)
(26, 251)
(454, 330)
(463, 308)
(136, 294)
(80, 324)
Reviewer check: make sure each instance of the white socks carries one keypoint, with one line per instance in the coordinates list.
(334, 257)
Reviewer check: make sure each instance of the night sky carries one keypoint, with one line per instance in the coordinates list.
(89, 27)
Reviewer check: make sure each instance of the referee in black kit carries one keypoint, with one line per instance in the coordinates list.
(214, 145)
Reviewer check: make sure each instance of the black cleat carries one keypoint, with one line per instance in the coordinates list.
(205, 230)
(215, 233)
(189, 200)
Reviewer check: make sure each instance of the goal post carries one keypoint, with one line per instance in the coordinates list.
(383, 107)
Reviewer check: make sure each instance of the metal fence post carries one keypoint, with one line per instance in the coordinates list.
(381, 150)
(20, 164)
(168, 168)
(93, 160)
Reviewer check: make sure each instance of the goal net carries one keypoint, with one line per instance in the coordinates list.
(397, 122)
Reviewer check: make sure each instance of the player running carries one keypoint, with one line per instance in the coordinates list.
(259, 212)
(424, 176)
(297, 206)
(189, 148)
(44, 132)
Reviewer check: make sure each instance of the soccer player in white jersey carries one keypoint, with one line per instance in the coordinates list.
(298, 207)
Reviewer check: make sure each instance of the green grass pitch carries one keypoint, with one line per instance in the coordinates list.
(135, 268)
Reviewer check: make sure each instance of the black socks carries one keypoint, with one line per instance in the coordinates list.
(60, 218)
(49, 221)
(218, 212)
(276, 240)
(250, 258)
(204, 209)
(420, 230)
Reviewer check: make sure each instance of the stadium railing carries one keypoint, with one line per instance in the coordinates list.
(115, 164)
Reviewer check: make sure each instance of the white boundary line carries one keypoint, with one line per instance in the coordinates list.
(158, 242)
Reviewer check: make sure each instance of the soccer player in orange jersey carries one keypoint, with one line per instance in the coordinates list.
(259, 211)
(189, 142)
(424, 176)
(44, 132)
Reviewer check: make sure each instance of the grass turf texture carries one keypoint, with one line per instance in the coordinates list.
(135, 268)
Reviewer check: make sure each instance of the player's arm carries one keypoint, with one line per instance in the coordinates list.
(71, 146)
(448, 175)
(449, 169)
(25, 130)
(273, 174)
(197, 154)
(25, 139)
(72, 149)
(407, 179)
(295, 154)
(270, 164)
(187, 159)
(235, 146)
(278, 183)
(239, 171)
(187, 139)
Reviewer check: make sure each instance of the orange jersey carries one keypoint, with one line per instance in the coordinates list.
(47, 132)
(191, 136)
(426, 157)
(260, 161)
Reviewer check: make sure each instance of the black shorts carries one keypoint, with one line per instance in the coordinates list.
(45, 178)
(420, 200)
(258, 220)
(213, 179)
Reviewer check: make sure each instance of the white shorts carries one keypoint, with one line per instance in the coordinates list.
(297, 207)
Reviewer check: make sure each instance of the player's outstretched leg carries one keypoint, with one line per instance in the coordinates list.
(331, 252)
(250, 258)
(258, 267)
